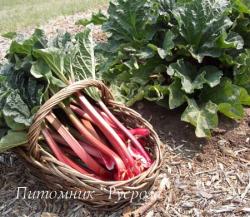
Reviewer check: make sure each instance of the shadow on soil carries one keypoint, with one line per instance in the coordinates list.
(177, 134)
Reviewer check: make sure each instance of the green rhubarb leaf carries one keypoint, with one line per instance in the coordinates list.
(5, 70)
(12, 124)
(54, 58)
(231, 40)
(188, 75)
(166, 6)
(3, 131)
(131, 21)
(40, 69)
(69, 63)
(203, 118)
(168, 45)
(232, 110)
(30, 89)
(145, 53)
(242, 26)
(20, 95)
(2, 122)
(25, 46)
(212, 75)
(244, 97)
(200, 24)
(146, 71)
(16, 109)
(61, 40)
(85, 61)
(59, 69)
(96, 19)
(12, 139)
(168, 42)
(229, 98)
(130, 92)
(242, 71)
(191, 79)
(176, 95)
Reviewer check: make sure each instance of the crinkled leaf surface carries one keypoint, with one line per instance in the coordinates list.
(85, 60)
(200, 24)
(199, 42)
(16, 109)
(20, 94)
(62, 40)
(131, 21)
(187, 73)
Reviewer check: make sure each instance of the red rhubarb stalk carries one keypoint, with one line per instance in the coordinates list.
(106, 117)
(103, 159)
(81, 113)
(84, 115)
(76, 147)
(137, 132)
(142, 132)
(91, 129)
(121, 168)
(60, 155)
(126, 132)
(109, 132)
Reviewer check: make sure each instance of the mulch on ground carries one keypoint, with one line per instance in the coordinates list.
(201, 177)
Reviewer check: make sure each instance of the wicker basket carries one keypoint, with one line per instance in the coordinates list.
(60, 177)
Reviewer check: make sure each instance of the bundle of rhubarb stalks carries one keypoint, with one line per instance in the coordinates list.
(91, 140)
(80, 131)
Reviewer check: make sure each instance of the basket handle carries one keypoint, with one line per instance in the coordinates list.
(45, 109)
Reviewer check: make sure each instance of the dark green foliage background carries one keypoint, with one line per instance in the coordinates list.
(194, 53)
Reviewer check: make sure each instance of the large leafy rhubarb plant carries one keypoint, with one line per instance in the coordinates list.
(192, 53)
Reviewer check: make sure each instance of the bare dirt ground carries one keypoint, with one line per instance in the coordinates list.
(202, 177)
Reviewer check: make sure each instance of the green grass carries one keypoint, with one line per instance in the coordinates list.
(17, 14)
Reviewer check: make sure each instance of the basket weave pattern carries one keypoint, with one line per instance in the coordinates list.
(58, 176)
